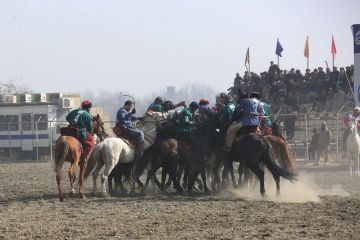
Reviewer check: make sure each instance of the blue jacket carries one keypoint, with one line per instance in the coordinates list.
(124, 118)
(250, 109)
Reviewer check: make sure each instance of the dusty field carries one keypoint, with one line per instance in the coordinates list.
(324, 204)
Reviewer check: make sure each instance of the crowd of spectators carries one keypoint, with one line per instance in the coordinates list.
(291, 90)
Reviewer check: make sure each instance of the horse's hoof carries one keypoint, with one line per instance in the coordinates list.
(72, 192)
(61, 199)
(83, 198)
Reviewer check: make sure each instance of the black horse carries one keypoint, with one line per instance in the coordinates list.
(252, 150)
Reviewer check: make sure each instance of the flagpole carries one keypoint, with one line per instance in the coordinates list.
(278, 61)
(333, 62)
(307, 63)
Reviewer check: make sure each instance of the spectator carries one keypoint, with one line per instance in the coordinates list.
(313, 145)
(324, 143)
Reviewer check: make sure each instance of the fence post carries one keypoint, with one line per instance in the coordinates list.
(337, 136)
(37, 138)
(10, 150)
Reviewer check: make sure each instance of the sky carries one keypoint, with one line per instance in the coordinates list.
(141, 47)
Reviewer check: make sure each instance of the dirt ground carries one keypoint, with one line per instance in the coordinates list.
(323, 204)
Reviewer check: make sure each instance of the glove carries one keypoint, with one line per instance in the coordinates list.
(133, 111)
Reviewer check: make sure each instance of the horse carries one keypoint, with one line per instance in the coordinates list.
(252, 150)
(353, 146)
(117, 150)
(68, 148)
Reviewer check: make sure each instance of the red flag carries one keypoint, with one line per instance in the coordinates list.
(306, 48)
(333, 47)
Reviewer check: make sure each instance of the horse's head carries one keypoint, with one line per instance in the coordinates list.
(98, 127)
(353, 126)
(150, 122)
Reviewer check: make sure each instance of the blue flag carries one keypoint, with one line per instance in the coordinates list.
(279, 48)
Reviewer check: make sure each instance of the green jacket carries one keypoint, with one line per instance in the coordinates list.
(267, 114)
(82, 119)
(183, 121)
(227, 113)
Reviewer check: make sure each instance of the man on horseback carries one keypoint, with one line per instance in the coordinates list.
(81, 119)
(265, 121)
(251, 110)
(354, 116)
(160, 105)
(204, 108)
(125, 119)
(186, 126)
(225, 115)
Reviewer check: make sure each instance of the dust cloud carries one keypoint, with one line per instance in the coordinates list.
(302, 191)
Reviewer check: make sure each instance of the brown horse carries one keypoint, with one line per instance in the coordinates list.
(68, 149)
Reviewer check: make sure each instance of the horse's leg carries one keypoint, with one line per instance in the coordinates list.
(171, 168)
(260, 174)
(192, 175)
(163, 179)
(58, 181)
(216, 181)
(232, 174)
(81, 179)
(203, 176)
(149, 176)
(358, 163)
(72, 176)
(104, 176)
(95, 175)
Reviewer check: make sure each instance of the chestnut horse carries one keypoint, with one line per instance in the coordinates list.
(68, 149)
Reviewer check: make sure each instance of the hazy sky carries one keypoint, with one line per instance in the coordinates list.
(142, 46)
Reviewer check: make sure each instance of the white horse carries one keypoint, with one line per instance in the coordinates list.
(114, 150)
(353, 146)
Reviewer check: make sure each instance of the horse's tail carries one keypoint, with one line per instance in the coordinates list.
(93, 160)
(273, 167)
(285, 157)
(61, 151)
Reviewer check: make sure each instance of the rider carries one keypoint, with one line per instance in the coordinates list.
(354, 116)
(204, 108)
(81, 118)
(125, 119)
(225, 115)
(250, 109)
(160, 105)
(186, 126)
(266, 107)
(235, 125)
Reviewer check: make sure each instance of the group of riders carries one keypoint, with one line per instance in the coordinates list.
(245, 116)
(248, 115)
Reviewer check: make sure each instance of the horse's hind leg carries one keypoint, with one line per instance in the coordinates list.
(104, 176)
(95, 175)
(260, 174)
(72, 176)
(58, 181)
(203, 176)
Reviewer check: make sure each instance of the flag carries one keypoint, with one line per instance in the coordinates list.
(247, 58)
(333, 47)
(279, 48)
(306, 49)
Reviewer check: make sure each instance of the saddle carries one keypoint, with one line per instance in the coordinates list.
(70, 131)
(244, 130)
(120, 132)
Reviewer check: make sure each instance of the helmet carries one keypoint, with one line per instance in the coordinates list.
(203, 101)
(357, 108)
(86, 104)
(255, 95)
(159, 100)
(194, 105)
